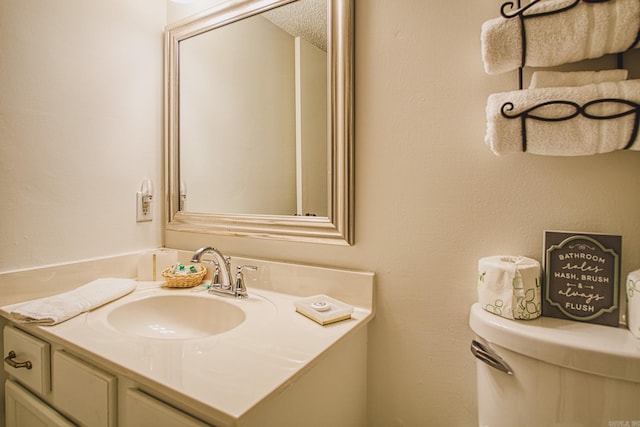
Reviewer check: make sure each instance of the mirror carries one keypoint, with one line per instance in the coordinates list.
(259, 121)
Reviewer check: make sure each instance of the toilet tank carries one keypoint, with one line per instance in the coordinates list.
(554, 373)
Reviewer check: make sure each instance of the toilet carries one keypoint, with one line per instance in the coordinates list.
(552, 372)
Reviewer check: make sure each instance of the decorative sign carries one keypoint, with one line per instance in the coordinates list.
(582, 277)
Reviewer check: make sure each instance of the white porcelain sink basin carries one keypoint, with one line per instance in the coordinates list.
(181, 316)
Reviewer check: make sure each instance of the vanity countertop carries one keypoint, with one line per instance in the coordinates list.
(223, 375)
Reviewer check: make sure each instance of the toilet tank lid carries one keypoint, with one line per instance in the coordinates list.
(600, 350)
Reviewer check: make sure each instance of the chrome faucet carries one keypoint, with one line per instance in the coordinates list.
(223, 265)
(222, 282)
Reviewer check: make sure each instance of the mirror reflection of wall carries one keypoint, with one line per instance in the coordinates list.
(313, 173)
(253, 121)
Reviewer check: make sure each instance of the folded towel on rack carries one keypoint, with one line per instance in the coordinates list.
(575, 78)
(58, 308)
(565, 121)
(588, 30)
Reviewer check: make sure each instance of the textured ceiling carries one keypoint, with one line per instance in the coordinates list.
(304, 18)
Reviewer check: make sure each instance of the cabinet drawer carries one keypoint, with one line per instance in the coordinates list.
(84, 393)
(21, 347)
(146, 411)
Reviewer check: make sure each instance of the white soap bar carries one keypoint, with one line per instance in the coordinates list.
(323, 309)
(151, 264)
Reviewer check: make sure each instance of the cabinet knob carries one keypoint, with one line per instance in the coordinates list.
(9, 360)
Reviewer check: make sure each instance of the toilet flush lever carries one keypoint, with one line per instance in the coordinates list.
(482, 351)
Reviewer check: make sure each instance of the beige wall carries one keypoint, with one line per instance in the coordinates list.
(80, 127)
(431, 199)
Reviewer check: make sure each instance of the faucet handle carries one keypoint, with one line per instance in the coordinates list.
(241, 289)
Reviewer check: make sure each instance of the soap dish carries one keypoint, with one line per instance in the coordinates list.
(323, 309)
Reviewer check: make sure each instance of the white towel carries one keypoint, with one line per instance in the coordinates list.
(575, 78)
(578, 136)
(589, 30)
(58, 308)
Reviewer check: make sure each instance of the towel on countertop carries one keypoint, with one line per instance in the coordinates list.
(577, 136)
(575, 78)
(589, 30)
(58, 308)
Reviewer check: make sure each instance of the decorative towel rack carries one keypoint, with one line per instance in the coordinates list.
(577, 110)
(511, 10)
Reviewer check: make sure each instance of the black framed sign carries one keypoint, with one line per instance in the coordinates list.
(582, 277)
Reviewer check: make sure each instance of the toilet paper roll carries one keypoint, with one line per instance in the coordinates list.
(509, 286)
(151, 264)
(633, 302)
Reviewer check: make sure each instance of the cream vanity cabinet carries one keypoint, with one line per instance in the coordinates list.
(50, 386)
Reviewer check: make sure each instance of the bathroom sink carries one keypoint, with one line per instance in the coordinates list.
(181, 316)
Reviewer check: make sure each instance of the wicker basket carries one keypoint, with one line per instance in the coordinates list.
(184, 280)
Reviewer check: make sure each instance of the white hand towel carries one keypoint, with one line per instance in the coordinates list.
(58, 308)
(578, 136)
(575, 78)
(589, 30)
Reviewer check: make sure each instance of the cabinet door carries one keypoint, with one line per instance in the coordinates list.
(25, 410)
(146, 411)
(86, 394)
